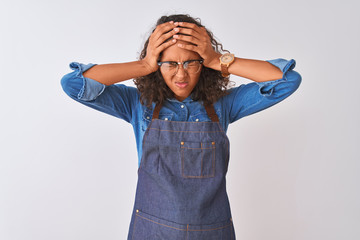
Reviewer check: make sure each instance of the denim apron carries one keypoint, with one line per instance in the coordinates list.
(181, 189)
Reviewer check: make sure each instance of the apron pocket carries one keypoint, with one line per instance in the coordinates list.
(148, 227)
(218, 231)
(198, 159)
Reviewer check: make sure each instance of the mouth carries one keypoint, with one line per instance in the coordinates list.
(181, 84)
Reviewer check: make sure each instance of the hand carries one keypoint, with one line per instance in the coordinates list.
(156, 44)
(199, 42)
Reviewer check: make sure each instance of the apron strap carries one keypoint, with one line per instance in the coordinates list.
(156, 111)
(210, 110)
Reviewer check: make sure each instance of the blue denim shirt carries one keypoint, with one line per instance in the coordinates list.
(123, 101)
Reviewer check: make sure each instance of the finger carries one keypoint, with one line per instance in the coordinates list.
(189, 47)
(161, 29)
(192, 32)
(188, 25)
(165, 45)
(166, 36)
(161, 26)
(189, 39)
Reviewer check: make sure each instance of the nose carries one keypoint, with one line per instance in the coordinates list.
(181, 72)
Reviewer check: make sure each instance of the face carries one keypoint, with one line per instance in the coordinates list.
(182, 83)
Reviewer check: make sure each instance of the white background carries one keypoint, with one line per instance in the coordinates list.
(69, 172)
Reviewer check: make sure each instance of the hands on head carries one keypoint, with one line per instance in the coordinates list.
(192, 37)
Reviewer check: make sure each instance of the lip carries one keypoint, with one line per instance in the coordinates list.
(181, 84)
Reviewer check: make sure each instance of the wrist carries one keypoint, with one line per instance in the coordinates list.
(215, 63)
(225, 61)
(146, 67)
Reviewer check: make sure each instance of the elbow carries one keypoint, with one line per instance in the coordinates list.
(295, 78)
(65, 82)
(285, 87)
(71, 84)
(292, 82)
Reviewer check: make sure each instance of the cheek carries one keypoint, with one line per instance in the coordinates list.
(196, 79)
(165, 78)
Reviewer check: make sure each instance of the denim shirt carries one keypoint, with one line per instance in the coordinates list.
(123, 101)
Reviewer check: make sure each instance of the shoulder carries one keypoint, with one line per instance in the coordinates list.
(231, 93)
(124, 91)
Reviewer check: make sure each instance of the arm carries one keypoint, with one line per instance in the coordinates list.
(117, 100)
(274, 80)
(93, 85)
(109, 74)
(256, 70)
(253, 97)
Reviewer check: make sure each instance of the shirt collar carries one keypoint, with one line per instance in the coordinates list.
(188, 99)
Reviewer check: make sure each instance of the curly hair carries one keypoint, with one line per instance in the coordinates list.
(210, 87)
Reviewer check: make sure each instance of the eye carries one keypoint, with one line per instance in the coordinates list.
(173, 64)
(192, 63)
(169, 65)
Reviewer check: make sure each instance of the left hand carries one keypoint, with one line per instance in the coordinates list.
(199, 42)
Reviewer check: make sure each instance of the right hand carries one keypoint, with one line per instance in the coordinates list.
(156, 44)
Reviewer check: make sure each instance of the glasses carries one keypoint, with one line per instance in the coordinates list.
(190, 66)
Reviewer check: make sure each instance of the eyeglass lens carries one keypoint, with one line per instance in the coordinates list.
(189, 66)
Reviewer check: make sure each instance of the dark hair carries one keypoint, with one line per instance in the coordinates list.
(210, 87)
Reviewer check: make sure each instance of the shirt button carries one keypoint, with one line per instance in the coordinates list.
(197, 120)
(147, 117)
(166, 119)
(182, 106)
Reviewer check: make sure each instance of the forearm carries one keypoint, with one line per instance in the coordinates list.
(256, 70)
(111, 73)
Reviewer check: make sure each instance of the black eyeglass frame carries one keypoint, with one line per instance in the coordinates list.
(184, 64)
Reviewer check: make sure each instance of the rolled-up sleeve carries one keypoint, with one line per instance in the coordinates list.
(253, 97)
(117, 100)
(76, 85)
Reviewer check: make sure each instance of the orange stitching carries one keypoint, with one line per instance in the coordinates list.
(184, 121)
(182, 162)
(214, 160)
(205, 176)
(201, 153)
(203, 230)
(161, 223)
(222, 130)
(185, 131)
(201, 174)
(197, 148)
(187, 229)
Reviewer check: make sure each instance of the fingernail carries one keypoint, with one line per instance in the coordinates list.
(174, 40)
(171, 22)
(176, 36)
(180, 45)
(176, 29)
(176, 23)
(181, 23)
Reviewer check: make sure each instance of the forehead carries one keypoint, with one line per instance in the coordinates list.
(175, 53)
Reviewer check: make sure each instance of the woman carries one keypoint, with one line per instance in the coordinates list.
(180, 112)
